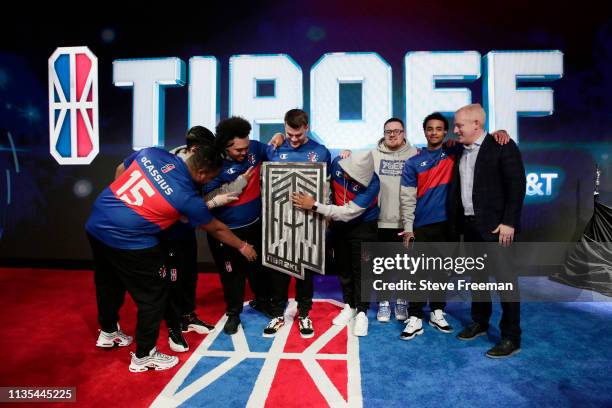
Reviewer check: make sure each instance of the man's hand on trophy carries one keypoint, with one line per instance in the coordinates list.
(303, 200)
(277, 140)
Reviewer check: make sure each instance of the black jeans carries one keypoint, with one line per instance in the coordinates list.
(437, 232)
(347, 239)
(234, 269)
(482, 308)
(137, 271)
(390, 234)
(304, 291)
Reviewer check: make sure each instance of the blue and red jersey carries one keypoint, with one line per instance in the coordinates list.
(247, 209)
(430, 172)
(153, 192)
(345, 191)
(310, 151)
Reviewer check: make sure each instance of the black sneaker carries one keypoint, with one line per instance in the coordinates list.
(261, 307)
(176, 340)
(231, 325)
(274, 326)
(472, 331)
(191, 322)
(505, 348)
(306, 329)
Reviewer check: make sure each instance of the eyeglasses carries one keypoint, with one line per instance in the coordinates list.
(390, 132)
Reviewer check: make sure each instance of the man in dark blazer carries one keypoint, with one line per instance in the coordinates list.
(485, 201)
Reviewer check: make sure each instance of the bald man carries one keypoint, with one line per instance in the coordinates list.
(486, 198)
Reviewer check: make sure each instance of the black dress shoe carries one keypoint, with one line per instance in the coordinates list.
(505, 348)
(231, 325)
(472, 331)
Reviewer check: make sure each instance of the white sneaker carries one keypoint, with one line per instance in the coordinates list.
(155, 360)
(361, 325)
(384, 312)
(437, 320)
(116, 338)
(401, 310)
(414, 327)
(344, 316)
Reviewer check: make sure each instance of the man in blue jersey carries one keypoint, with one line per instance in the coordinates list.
(423, 197)
(296, 148)
(156, 189)
(181, 263)
(355, 187)
(242, 157)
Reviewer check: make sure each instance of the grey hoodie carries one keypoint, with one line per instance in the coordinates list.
(358, 166)
(388, 164)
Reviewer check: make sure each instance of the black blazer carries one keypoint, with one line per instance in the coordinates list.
(499, 189)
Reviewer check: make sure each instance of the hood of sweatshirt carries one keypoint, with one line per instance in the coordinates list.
(360, 166)
(385, 150)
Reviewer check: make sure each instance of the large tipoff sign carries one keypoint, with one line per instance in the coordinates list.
(293, 239)
(350, 93)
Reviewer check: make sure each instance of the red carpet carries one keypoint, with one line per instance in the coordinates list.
(49, 329)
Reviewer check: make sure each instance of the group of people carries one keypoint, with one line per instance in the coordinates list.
(142, 228)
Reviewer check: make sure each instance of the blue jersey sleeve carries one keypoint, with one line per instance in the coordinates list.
(409, 174)
(265, 151)
(366, 198)
(195, 209)
(128, 160)
(328, 161)
(213, 184)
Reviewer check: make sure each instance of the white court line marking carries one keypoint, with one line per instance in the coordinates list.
(266, 375)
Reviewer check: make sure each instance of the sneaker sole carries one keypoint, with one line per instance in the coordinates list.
(401, 318)
(177, 348)
(268, 336)
(198, 329)
(360, 334)
(416, 333)
(141, 369)
(449, 330)
(307, 336)
(473, 337)
(113, 344)
(506, 356)
(384, 319)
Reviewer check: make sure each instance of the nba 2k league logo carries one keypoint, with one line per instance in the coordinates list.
(246, 369)
(73, 105)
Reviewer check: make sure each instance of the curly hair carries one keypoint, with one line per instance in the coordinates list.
(230, 128)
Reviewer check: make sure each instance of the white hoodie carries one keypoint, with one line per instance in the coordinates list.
(388, 164)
